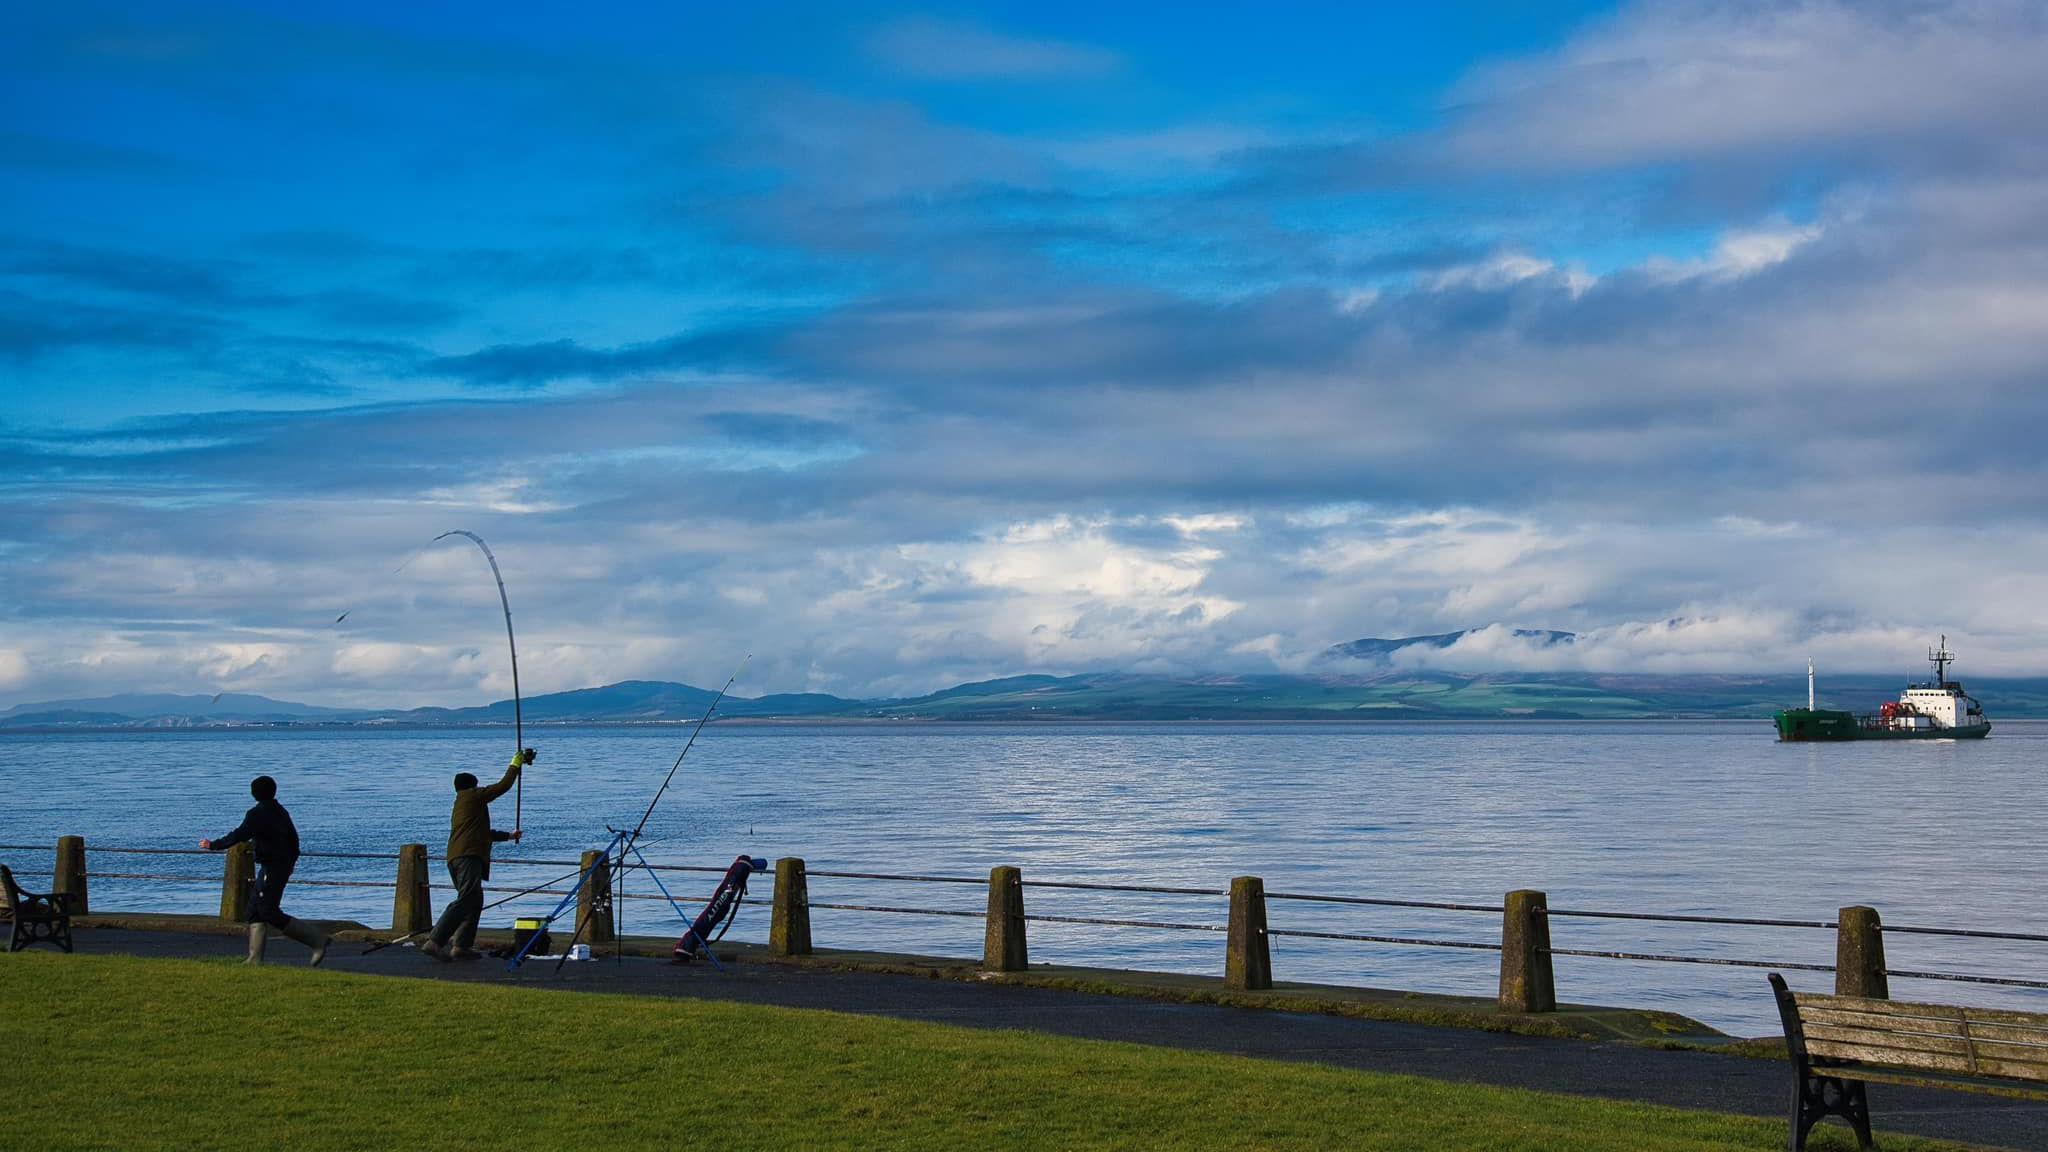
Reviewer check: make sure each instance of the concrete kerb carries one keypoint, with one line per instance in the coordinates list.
(1570, 1021)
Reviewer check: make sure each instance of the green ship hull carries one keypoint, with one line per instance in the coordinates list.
(1821, 724)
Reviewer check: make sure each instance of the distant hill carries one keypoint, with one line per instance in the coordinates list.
(164, 710)
(626, 702)
(1411, 694)
(224, 704)
(1356, 691)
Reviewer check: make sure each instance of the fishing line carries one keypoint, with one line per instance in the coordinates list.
(511, 646)
(407, 563)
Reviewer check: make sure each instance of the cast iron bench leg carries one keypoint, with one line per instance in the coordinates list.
(1815, 1096)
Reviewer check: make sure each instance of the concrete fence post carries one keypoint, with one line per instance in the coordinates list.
(1248, 961)
(1003, 947)
(1859, 954)
(789, 920)
(70, 872)
(1526, 982)
(412, 908)
(237, 883)
(594, 899)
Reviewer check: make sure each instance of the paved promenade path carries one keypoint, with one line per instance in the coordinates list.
(1681, 1079)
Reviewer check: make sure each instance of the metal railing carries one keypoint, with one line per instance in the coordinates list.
(1515, 941)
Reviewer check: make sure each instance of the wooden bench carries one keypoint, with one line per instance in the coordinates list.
(36, 915)
(1838, 1042)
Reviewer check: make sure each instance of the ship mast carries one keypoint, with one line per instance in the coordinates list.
(1940, 657)
(1809, 684)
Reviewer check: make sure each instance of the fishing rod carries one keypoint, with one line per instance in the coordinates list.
(628, 839)
(511, 646)
(698, 731)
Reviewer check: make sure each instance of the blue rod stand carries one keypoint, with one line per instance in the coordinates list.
(568, 901)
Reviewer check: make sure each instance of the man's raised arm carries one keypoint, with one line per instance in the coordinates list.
(503, 786)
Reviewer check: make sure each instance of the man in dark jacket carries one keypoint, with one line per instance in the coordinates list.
(268, 829)
(470, 837)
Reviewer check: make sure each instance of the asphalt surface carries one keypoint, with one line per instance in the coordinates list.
(1682, 1079)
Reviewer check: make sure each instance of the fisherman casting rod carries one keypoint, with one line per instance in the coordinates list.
(511, 646)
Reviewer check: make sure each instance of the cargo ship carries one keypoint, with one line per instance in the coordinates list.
(1938, 710)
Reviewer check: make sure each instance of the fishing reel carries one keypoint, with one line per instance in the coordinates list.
(526, 755)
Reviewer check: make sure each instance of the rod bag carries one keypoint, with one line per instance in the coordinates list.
(717, 915)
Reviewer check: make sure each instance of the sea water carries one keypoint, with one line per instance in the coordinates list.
(1708, 818)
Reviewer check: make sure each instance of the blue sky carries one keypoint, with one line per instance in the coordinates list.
(904, 346)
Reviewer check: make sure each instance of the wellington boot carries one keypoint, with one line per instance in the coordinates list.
(310, 936)
(259, 939)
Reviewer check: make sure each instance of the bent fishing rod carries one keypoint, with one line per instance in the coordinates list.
(628, 839)
(511, 646)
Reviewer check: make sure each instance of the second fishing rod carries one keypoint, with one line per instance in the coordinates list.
(627, 840)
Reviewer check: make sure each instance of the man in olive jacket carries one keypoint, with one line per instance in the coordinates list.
(470, 837)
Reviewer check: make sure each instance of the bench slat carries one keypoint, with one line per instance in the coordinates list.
(1939, 1079)
(1923, 1025)
(1879, 1012)
(1986, 1063)
(1807, 1000)
(2011, 1054)
(1909, 1008)
(2007, 1034)
(2035, 1071)
(1890, 1040)
(1889, 1057)
(1994, 1046)
(1858, 1056)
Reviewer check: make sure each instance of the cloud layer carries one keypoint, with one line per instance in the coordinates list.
(1712, 332)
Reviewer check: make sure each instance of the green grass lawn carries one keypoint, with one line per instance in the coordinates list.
(116, 1052)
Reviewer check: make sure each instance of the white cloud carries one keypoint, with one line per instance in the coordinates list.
(1739, 252)
(1491, 275)
(503, 494)
(1204, 523)
(1686, 82)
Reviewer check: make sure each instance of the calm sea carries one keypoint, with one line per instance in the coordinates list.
(1688, 818)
